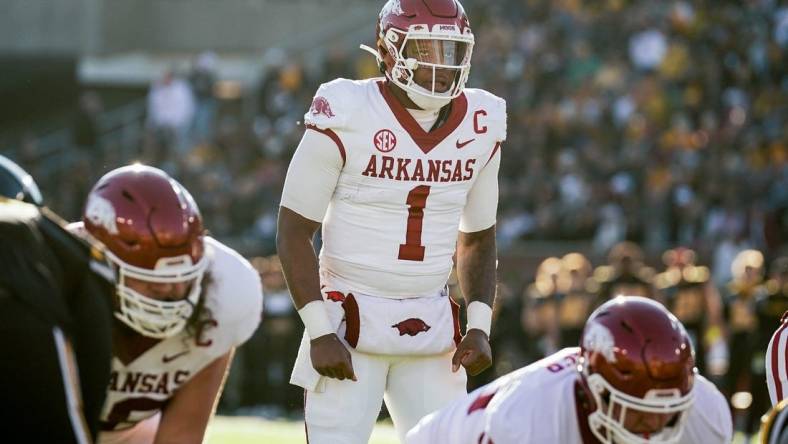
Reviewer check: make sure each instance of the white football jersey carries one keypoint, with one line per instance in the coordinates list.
(391, 226)
(537, 404)
(140, 388)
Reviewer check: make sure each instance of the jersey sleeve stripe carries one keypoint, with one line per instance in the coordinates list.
(306, 428)
(328, 132)
(776, 373)
(782, 359)
(779, 365)
(495, 150)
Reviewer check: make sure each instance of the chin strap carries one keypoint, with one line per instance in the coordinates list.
(425, 102)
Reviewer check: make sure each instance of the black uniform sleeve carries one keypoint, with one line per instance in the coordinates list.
(54, 308)
(89, 296)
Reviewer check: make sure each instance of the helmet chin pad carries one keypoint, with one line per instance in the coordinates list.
(151, 317)
(607, 422)
(427, 102)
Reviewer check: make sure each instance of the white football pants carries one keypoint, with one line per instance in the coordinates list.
(344, 412)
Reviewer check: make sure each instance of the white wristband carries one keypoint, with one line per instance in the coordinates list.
(479, 317)
(315, 318)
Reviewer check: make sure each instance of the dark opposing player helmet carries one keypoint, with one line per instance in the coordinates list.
(16, 183)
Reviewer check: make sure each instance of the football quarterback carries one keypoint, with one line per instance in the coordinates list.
(401, 171)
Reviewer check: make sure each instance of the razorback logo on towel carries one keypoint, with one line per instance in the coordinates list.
(411, 327)
(335, 296)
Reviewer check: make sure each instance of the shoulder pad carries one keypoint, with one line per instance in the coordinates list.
(75, 249)
(495, 107)
(13, 211)
(330, 106)
(500, 116)
(236, 292)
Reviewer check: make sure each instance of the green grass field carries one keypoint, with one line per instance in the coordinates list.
(250, 430)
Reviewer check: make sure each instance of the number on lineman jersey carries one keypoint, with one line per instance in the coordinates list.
(122, 410)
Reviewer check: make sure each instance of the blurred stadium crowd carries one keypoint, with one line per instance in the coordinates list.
(662, 124)
(540, 313)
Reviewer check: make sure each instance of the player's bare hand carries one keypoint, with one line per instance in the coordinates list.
(331, 358)
(473, 353)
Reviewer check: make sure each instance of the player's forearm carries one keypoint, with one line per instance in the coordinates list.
(297, 255)
(476, 271)
(186, 416)
(299, 264)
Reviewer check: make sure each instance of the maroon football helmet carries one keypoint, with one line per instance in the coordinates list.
(153, 232)
(427, 34)
(635, 355)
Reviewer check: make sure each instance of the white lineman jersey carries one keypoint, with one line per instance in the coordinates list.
(139, 389)
(537, 404)
(391, 226)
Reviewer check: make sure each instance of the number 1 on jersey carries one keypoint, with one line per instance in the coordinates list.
(412, 250)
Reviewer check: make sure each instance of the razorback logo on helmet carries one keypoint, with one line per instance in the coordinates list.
(599, 339)
(411, 327)
(320, 106)
(100, 212)
(392, 7)
(335, 296)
